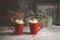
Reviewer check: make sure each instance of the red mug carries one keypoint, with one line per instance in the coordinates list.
(34, 28)
(19, 29)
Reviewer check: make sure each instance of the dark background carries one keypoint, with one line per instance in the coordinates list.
(19, 5)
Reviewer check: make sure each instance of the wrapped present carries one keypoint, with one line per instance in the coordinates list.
(47, 21)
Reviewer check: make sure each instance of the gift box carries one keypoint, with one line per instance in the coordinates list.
(47, 21)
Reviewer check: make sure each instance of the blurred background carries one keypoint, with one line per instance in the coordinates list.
(29, 7)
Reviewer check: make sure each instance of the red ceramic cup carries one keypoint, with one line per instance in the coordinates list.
(33, 28)
(19, 29)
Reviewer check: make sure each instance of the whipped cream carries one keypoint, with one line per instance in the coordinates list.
(19, 22)
(33, 21)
